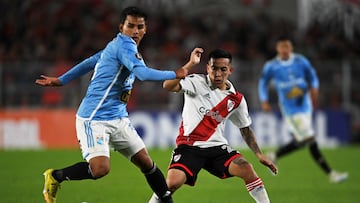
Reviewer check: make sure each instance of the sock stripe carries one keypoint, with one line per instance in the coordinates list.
(250, 182)
(254, 184)
(90, 172)
(152, 170)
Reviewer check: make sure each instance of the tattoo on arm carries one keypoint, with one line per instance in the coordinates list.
(250, 139)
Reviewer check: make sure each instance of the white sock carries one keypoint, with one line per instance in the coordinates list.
(154, 199)
(257, 191)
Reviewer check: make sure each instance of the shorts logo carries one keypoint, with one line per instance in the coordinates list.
(177, 157)
(100, 140)
(227, 148)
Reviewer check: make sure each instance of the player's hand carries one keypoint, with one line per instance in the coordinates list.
(265, 106)
(48, 81)
(267, 162)
(194, 59)
(196, 55)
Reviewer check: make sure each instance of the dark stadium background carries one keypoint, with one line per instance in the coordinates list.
(48, 37)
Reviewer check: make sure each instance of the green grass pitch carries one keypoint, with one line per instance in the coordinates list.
(299, 179)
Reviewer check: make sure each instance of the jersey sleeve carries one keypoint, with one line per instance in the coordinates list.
(240, 117)
(132, 60)
(264, 82)
(310, 74)
(147, 73)
(188, 85)
(80, 69)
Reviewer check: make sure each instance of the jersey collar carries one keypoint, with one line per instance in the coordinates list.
(286, 62)
(231, 88)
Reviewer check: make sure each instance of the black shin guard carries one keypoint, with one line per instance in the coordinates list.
(78, 171)
(318, 157)
(156, 180)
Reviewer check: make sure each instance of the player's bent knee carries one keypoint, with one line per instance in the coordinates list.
(241, 168)
(176, 178)
(99, 166)
(246, 167)
(99, 171)
(174, 183)
(241, 162)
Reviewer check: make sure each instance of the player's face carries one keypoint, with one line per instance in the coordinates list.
(219, 71)
(134, 27)
(284, 49)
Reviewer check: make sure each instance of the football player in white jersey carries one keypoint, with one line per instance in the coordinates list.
(102, 118)
(209, 101)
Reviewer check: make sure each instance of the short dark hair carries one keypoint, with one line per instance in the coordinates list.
(132, 11)
(284, 38)
(220, 53)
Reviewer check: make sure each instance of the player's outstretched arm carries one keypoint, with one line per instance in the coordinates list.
(48, 81)
(194, 59)
(174, 85)
(78, 70)
(250, 140)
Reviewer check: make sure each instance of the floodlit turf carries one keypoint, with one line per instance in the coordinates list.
(299, 179)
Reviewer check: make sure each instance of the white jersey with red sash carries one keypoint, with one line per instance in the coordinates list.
(206, 108)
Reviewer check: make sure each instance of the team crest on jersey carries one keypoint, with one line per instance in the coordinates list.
(177, 157)
(138, 56)
(230, 105)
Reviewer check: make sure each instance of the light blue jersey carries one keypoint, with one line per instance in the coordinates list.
(292, 79)
(115, 69)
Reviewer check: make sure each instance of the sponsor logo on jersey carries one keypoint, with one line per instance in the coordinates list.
(295, 92)
(291, 83)
(138, 56)
(125, 96)
(213, 114)
(129, 80)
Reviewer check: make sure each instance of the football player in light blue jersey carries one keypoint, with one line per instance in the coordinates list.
(102, 118)
(297, 85)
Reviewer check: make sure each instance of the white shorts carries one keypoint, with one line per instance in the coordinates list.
(96, 137)
(300, 125)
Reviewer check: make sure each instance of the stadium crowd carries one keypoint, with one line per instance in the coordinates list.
(49, 37)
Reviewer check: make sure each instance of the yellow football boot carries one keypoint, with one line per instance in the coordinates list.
(51, 187)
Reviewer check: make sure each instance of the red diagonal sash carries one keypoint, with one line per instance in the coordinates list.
(210, 121)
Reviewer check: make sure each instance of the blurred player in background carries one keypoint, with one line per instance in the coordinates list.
(297, 85)
(102, 118)
(210, 100)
